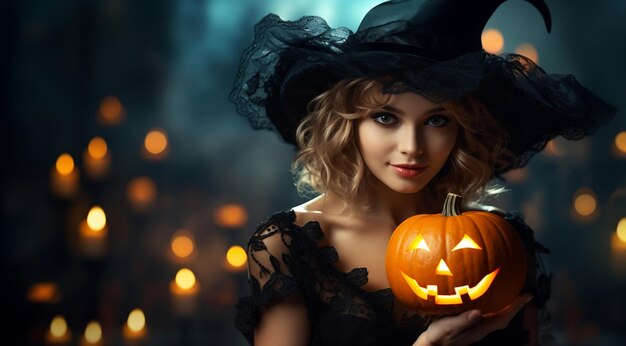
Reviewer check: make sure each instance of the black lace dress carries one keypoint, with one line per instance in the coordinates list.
(285, 259)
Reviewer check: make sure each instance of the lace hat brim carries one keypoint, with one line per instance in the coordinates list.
(290, 63)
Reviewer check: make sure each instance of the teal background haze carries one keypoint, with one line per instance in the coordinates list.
(172, 63)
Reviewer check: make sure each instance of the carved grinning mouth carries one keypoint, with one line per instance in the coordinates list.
(431, 290)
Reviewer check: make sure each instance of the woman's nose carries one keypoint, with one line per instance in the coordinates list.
(409, 142)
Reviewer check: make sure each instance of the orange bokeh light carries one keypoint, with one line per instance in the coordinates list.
(236, 256)
(231, 216)
(65, 164)
(620, 142)
(585, 202)
(97, 148)
(142, 192)
(93, 332)
(58, 326)
(136, 320)
(110, 110)
(185, 279)
(621, 229)
(155, 142)
(492, 40)
(529, 51)
(96, 219)
(182, 243)
(43, 292)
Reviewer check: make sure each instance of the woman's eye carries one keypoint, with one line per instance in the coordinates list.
(384, 118)
(437, 121)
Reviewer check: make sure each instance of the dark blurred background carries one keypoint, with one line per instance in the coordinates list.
(183, 180)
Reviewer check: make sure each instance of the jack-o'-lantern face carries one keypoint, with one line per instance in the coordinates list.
(439, 264)
(424, 291)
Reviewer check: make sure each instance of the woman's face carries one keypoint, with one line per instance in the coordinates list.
(407, 142)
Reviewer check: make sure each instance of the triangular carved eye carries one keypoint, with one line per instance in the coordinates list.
(466, 243)
(418, 243)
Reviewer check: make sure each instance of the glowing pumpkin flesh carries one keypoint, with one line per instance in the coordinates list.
(452, 262)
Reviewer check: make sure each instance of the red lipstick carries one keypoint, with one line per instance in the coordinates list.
(407, 170)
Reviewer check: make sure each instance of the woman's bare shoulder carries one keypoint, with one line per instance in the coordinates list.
(312, 210)
(328, 211)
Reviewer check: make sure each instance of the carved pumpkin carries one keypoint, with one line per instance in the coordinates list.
(451, 262)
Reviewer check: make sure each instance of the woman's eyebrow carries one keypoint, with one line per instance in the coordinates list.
(398, 111)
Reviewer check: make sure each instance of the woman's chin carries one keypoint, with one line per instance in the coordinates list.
(407, 190)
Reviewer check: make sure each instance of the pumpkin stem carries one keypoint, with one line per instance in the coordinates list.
(452, 205)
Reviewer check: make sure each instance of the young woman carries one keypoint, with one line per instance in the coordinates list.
(387, 121)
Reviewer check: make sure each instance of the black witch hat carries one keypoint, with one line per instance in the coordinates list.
(431, 47)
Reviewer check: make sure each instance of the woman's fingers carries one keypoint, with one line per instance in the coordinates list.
(513, 308)
(471, 326)
(502, 318)
(448, 328)
(496, 321)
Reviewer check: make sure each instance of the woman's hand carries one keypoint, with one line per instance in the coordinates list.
(470, 326)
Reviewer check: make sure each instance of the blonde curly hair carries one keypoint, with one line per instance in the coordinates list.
(329, 160)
